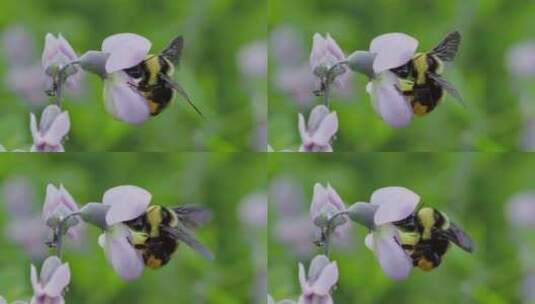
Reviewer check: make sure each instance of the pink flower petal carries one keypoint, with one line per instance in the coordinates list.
(51, 200)
(67, 199)
(318, 51)
(120, 253)
(122, 101)
(326, 280)
(389, 103)
(368, 241)
(127, 203)
(302, 127)
(334, 198)
(48, 117)
(393, 260)
(126, 50)
(302, 276)
(393, 50)
(49, 50)
(33, 127)
(395, 204)
(33, 278)
(59, 280)
(326, 130)
(58, 129)
(316, 266)
(319, 200)
(66, 48)
(317, 115)
(333, 48)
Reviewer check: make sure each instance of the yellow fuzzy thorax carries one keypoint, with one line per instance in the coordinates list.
(421, 66)
(154, 217)
(152, 63)
(427, 218)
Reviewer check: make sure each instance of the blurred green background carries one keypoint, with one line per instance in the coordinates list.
(214, 31)
(472, 188)
(217, 181)
(493, 118)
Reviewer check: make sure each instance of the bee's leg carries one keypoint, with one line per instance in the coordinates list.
(139, 239)
(405, 86)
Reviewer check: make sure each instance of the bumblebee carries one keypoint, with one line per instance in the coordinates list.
(421, 80)
(153, 78)
(426, 235)
(158, 232)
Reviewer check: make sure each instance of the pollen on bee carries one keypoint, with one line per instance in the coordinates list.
(425, 265)
(153, 262)
(419, 109)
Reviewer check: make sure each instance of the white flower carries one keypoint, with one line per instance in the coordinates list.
(393, 204)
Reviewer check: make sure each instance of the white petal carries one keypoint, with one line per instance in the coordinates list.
(326, 280)
(389, 103)
(127, 202)
(392, 258)
(393, 50)
(395, 204)
(122, 101)
(59, 128)
(326, 130)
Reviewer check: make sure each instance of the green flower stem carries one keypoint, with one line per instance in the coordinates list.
(59, 233)
(326, 232)
(59, 80)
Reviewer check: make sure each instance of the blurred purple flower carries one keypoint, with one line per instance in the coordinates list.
(253, 210)
(316, 287)
(24, 228)
(121, 99)
(393, 204)
(391, 51)
(28, 82)
(126, 203)
(252, 59)
(19, 196)
(296, 81)
(29, 233)
(286, 196)
(18, 46)
(520, 209)
(291, 227)
(57, 54)
(528, 288)
(318, 133)
(520, 59)
(48, 288)
(325, 55)
(286, 45)
(53, 127)
(297, 233)
(527, 139)
(325, 204)
(59, 204)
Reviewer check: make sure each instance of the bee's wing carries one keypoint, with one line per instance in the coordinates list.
(447, 48)
(173, 51)
(459, 237)
(192, 216)
(182, 234)
(178, 88)
(447, 86)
